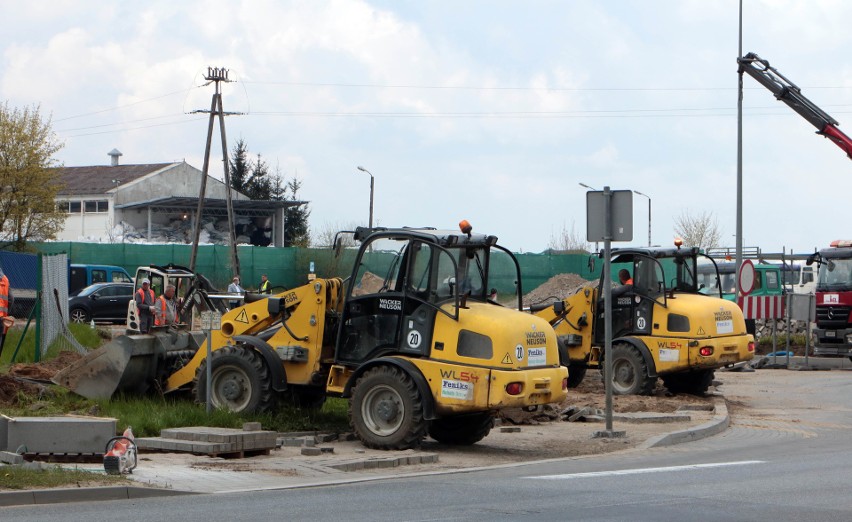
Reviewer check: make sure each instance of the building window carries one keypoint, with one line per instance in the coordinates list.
(74, 207)
(100, 206)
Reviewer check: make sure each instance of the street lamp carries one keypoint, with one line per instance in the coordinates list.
(649, 215)
(591, 188)
(372, 185)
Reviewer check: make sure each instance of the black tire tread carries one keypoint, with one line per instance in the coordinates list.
(644, 384)
(413, 434)
(267, 398)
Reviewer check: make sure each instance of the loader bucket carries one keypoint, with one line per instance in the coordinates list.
(130, 364)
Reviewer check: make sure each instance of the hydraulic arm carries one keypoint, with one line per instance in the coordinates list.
(789, 93)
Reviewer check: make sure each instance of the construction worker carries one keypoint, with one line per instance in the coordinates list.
(626, 283)
(144, 302)
(264, 287)
(6, 301)
(165, 310)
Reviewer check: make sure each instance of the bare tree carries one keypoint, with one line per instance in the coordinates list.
(324, 237)
(700, 230)
(567, 241)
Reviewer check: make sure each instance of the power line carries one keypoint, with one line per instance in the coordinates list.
(126, 105)
(512, 88)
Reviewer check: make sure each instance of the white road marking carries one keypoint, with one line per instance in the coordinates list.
(639, 471)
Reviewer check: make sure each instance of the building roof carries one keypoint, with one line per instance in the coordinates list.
(100, 179)
(211, 206)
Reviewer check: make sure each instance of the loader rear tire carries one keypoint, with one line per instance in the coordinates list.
(462, 430)
(240, 381)
(386, 410)
(693, 383)
(576, 374)
(629, 372)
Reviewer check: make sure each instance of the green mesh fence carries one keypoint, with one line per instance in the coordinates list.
(288, 267)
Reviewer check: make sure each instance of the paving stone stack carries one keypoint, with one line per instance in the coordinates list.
(202, 440)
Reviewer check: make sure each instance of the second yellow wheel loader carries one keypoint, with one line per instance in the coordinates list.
(664, 325)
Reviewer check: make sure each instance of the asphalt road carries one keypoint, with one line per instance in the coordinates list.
(785, 457)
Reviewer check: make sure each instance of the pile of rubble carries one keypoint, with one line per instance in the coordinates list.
(213, 231)
(557, 287)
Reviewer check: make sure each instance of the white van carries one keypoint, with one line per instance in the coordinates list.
(799, 278)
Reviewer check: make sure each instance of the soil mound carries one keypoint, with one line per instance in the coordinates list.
(557, 287)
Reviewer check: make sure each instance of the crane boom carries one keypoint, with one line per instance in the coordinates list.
(789, 93)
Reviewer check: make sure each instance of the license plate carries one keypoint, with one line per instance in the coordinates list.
(830, 334)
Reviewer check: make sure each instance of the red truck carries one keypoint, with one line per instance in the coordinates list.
(834, 299)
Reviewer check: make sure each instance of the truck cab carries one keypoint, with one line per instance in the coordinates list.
(833, 299)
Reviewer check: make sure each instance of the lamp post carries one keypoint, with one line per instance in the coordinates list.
(372, 186)
(591, 188)
(649, 215)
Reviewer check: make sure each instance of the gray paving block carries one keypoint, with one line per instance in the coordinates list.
(510, 429)
(252, 426)
(11, 458)
(68, 434)
(311, 452)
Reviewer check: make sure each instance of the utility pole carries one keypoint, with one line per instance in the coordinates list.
(216, 75)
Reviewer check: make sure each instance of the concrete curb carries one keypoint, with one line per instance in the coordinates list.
(719, 423)
(56, 496)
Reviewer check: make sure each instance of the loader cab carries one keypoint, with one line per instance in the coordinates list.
(404, 278)
(658, 275)
(160, 277)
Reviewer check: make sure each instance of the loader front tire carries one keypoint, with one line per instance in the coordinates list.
(240, 381)
(629, 372)
(386, 410)
(462, 430)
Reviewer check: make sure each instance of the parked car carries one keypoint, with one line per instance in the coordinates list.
(105, 302)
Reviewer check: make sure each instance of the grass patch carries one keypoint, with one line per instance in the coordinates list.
(149, 415)
(84, 334)
(16, 477)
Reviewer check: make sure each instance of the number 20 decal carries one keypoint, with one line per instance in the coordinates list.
(414, 338)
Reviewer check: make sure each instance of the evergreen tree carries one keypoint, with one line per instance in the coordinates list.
(296, 232)
(241, 166)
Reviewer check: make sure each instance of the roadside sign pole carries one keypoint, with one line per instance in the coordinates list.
(608, 306)
(210, 321)
(615, 210)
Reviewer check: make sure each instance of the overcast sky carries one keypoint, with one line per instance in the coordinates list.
(490, 111)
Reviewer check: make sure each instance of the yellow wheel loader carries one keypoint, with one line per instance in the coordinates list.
(664, 324)
(414, 339)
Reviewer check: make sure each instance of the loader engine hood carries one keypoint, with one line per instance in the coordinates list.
(491, 335)
(690, 315)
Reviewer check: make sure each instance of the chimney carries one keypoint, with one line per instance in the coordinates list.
(113, 155)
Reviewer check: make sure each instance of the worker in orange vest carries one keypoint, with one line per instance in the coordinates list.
(6, 301)
(144, 303)
(165, 310)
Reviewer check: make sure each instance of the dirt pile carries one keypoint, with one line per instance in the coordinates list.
(557, 287)
(17, 383)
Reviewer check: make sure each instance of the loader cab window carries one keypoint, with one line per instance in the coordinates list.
(391, 307)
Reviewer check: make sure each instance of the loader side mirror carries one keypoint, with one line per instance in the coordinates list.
(810, 260)
(591, 264)
(338, 246)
